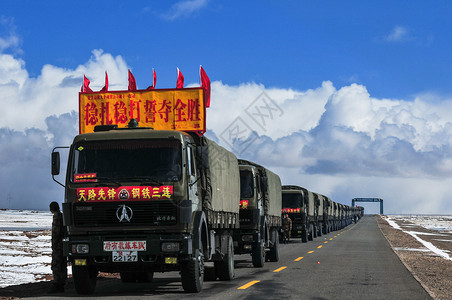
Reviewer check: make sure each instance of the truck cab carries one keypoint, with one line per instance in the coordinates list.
(260, 197)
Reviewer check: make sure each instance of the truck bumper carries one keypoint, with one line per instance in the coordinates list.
(153, 252)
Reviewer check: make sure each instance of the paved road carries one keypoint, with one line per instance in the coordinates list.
(355, 263)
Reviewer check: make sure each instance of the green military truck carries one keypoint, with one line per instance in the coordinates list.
(139, 201)
(260, 213)
(300, 205)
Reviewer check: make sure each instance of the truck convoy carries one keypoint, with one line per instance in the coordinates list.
(260, 213)
(146, 192)
(314, 214)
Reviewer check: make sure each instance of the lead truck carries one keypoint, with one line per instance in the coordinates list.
(146, 192)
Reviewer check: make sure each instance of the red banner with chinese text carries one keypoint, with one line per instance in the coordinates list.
(165, 109)
(290, 210)
(124, 193)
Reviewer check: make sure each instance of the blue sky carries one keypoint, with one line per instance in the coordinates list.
(362, 88)
(396, 49)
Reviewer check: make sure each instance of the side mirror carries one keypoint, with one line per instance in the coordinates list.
(55, 163)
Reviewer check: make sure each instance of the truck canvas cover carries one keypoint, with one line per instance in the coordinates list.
(221, 178)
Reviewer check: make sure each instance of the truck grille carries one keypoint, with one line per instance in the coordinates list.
(110, 214)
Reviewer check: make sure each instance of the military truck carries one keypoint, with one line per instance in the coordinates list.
(324, 214)
(299, 204)
(139, 201)
(260, 213)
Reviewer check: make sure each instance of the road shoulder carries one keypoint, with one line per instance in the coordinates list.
(432, 272)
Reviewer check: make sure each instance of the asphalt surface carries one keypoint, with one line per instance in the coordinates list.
(353, 263)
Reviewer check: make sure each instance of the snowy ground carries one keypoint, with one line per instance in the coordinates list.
(25, 252)
(440, 225)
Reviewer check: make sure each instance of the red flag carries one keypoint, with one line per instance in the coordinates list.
(85, 86)
(205, 84)
(105, 88)
(132, 82)
(180, 80)
(154, 81)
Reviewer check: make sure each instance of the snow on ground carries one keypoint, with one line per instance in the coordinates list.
(441, 224)
(25, 249)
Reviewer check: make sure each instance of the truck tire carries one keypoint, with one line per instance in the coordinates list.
(224, 269)
(84, 279)
(273, 254)
(311, 233)
(304, 236)
(258, 254)
(192, 272)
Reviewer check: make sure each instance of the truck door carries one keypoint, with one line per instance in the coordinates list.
(192, 179)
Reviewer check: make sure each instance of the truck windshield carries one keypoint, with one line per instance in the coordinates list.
(291, 200)
(246, 184)
(157, 159)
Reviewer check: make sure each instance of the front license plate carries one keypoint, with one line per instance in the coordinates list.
(125, 256)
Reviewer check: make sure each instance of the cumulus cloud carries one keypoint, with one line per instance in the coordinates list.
(341, 142)
(346, 133)
(184, 9)
(26, 101)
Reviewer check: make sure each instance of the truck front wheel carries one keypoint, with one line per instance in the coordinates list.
(192, 272)
(273, 254)
(258, 254)
(304, 236)
(225, 268)
(311, 232)
(84, 279)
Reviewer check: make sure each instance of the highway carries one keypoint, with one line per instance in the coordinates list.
(354, 263)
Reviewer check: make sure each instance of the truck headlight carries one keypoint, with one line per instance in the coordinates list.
(247, 238)
(80, 248)
(170, 247)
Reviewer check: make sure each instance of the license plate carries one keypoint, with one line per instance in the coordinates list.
(125, 256)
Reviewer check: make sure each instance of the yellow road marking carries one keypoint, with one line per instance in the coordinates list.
(325, 242)
(298, 259)
(245, 286)
(319, 247)
(279, 269)
(311, 251)
(331, 239)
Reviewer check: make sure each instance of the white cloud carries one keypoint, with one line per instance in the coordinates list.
(184, 9)
(398, 33)
(10, 41)
(26, 101)
(340, 142)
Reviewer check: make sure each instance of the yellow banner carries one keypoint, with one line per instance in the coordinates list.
(175, 109)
